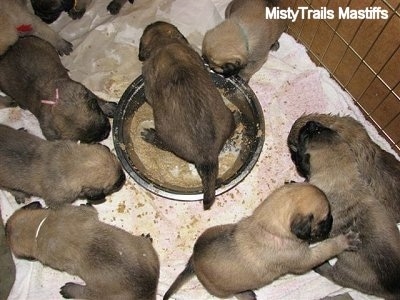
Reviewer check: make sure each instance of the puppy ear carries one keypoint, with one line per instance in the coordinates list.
(144, 52)
(301, 226)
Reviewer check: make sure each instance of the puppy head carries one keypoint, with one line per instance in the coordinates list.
(21, 229)
(156, 35)
(92, 170)
(75, 115)
(50, 10)
(225, 48)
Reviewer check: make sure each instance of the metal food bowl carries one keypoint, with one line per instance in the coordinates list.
(166, 175)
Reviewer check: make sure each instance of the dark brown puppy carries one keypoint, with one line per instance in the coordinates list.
(234, 259)
(241, 43)
(50, 10)
(325, 158)
(7, 266)
(113, 263)
(57, 171)
(16, 20)
(32, 74)
(379, 169)
(191, 119)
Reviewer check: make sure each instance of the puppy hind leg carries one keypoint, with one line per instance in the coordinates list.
(247, 295)
(76, 291)
(208, 174)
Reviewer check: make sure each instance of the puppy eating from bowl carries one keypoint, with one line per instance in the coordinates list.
(113, 263)
(59, 172)
(190, 117)
(33, 77)
(241, 43)
(235, 259)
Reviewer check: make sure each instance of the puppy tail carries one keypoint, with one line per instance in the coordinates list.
(182, 278)
(208, 173)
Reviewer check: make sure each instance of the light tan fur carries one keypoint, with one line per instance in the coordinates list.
(234, 259)
(241, 43)
(57, 171)
(14, 13)
(113, 263)
(325, 157)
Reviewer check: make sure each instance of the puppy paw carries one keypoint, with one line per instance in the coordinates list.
(147, 236)
(275, 46)
(353, 240)
(150, 136)
(68, 290)
(63, 47)
(113, 7)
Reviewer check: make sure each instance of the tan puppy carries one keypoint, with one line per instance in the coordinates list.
(241, 43)
(113, 263)
(59, 172)
(379, 169)
(50, 10)
(190, 117)
(7, 266)
(234, 259)
(324, 157)
(16, 20)
(32, 75)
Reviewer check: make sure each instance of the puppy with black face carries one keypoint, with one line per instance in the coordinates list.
(32, 75)
(326, 159)
(113, 263)
(16, 20)
(379, 169)
(235, 259)
(57, 171)
(190, 117)
(50, 10)
(241, 43)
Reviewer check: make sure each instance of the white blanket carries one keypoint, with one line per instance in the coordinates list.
(105, 59)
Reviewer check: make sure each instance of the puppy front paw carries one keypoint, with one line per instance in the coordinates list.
(147, 236)
(72, 290)
(114, 7)
(353, 240)
(76, 13)
(64, 47)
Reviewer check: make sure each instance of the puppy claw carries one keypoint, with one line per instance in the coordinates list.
(353, 240)
(147, 236)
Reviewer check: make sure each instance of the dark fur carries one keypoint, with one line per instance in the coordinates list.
(14, 13)
(31, 71)
(379, 169)
(191, 119)
(7, 266)
(50, 10)
(57, 171)
(325, 157)
(235, 259)
(113, 263)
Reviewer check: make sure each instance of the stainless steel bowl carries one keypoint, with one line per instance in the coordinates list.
(164, 174)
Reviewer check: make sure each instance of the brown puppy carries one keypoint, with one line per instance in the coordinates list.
(113, 263)
(324, 157)
(7, 266)
(50, 10)
(32, 74)
(57, 171)
(234, 259)
(379, 169)
(191, 119)
(16, 20)
(241, 43)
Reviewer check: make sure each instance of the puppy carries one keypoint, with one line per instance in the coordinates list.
(50, 10)
(379, 169)
(16, 20)
(190, 117)
(240, 44)
(113, 263)
(32, 74)
(324, 157)
(7, 266)
(234, 259)
(57, 171)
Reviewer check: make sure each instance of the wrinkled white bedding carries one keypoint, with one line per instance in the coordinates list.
(105, 60)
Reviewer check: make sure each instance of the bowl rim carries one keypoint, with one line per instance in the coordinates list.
(118, 128)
